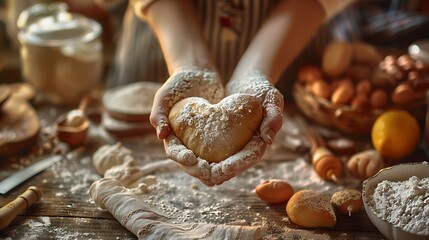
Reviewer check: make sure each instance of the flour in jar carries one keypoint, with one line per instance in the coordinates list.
(405, 204)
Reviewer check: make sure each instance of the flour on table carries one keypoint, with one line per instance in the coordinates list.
(155, 195)
(154, 209)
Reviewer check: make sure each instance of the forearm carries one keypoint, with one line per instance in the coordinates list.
(282, 37)
(176, 26)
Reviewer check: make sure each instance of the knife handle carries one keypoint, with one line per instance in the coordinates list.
(18, 205)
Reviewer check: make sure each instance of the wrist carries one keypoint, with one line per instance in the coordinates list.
(248, 80)
(191, 64)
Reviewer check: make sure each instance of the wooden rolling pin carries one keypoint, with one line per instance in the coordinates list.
(20, 204)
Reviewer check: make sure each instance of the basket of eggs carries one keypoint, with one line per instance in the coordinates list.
(355, 82)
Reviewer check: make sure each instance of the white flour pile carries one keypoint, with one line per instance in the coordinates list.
(405, 204)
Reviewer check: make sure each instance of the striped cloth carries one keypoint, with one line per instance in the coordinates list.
(228, 25)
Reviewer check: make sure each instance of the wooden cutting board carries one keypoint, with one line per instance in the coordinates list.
(19, 126)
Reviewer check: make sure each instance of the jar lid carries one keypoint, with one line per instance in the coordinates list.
(60, 29)
(419, 50)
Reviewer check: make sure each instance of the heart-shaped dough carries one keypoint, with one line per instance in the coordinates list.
(215, 132)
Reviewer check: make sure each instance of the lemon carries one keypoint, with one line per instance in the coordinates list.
(395, 134)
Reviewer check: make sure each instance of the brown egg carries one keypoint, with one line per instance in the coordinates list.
(337, 58)
(405, 62)
(364, 87)
(321, 88)
(403, 94)
(413, 76)
(309, 73)
(344, 93)
(396, 72)
(390, 60)
(379, 99)
(360, 101)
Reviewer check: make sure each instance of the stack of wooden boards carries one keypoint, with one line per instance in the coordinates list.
(19, 122)
(127, 109)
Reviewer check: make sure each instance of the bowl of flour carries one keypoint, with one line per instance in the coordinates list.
(396, 200)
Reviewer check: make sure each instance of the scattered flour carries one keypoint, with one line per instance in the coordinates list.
(39, 222)
(405, 204)
(81, 177)
(180, 199)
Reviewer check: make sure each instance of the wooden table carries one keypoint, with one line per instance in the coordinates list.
(67, 212)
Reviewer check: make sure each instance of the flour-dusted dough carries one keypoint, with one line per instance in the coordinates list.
(215, 132)
(108, 156)
(123, 192)
(309, 208)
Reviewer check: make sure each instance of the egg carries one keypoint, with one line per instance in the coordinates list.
(364, 87)
(321, 88)
(309, 73)
(337, 58)
(344, 93)
(379, 99)
(402, 94)
(360, 101)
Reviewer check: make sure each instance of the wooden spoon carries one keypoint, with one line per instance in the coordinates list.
(72, 127)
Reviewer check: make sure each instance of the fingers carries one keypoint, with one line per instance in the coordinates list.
(239, 162)
(188, 162)
(271, 123)
(179, 152)
(273, 108)
(218, 173)
(201, 170)
(223, 178)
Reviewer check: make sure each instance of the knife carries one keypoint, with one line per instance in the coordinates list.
(22, 175)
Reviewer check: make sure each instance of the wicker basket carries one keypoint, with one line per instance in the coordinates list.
(343, 117)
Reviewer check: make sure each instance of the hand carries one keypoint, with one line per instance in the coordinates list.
(239, 162)
(182, 84)
(270, 98)
(216, 173)
(191, 164)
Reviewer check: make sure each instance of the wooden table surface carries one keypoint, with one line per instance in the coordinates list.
(66, 211)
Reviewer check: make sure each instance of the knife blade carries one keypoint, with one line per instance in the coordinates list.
(24, 174)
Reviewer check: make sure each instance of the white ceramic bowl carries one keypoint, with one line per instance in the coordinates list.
(400, 172)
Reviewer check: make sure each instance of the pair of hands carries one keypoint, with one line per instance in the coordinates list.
(206, 84)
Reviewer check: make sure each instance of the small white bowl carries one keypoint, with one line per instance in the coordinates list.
(400, 172)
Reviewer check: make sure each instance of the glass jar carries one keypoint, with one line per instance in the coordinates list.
(61, 53)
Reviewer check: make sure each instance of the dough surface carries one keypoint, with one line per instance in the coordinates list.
(215, 132)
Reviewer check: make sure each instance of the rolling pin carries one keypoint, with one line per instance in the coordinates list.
(20, 204)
